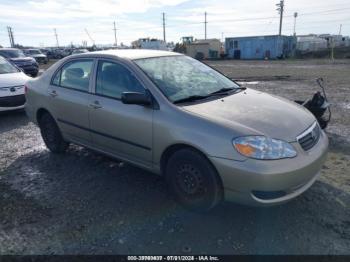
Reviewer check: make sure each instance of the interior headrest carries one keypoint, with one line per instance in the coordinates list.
(75, 72)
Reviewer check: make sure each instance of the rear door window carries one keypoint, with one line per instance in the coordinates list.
(74, 75)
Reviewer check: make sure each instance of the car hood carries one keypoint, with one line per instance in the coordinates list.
(38, 55)
(22, 59)
(14, 79)
(259, 113)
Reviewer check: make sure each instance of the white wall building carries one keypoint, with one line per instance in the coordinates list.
(311, 43)
(336, 40)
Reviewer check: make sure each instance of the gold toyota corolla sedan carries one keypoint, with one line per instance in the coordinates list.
(211, 139)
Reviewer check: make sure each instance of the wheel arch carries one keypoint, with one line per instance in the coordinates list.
(40, 112)
(170, 150)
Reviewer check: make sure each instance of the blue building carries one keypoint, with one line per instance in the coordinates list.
(260, 47)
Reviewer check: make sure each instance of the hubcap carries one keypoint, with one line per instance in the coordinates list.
(189, 180)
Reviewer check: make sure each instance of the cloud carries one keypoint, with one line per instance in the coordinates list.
(95, 8)
(33, 20)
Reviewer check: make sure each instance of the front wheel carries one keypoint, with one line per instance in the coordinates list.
(193, 180)
(51, 134)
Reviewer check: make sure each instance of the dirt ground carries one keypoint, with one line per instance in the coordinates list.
(85, 203)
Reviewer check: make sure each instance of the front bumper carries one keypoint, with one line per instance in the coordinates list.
(41, 60)
(4, 109)
(30, 70)
(281, 180)
(12, 102)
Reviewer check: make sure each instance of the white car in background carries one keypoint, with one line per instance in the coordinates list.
(12, 82)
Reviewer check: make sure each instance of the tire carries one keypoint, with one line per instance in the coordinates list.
(193, 180)
(52, 135)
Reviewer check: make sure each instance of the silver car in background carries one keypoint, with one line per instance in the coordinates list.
(211, 139)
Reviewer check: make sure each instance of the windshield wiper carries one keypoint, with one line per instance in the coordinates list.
(222, 91)
(189, 99)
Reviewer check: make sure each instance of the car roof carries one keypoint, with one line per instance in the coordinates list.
(132, 54)
(8, 49)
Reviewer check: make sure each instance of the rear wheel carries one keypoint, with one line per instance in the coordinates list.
(193, 180)
(51, 134)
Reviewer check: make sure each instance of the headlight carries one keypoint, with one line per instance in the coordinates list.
(265, 148)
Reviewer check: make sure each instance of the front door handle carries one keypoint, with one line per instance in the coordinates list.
(53, 93)
(95, 105)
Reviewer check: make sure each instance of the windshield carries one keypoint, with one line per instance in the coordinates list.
(180, 77)
(12, 53)
(6, 67)
(80, 51)
(34, 52)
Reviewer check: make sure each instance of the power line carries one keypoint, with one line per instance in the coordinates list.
(241, 20)
(186, 24)
(248, 19)
(327, 11)
(260, 18)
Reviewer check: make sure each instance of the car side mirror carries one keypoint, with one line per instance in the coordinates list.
(136, 98)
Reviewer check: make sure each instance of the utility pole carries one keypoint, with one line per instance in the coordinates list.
(205, 25)
(164, 38)
(340, 28)
(9, 30)
(331, 39)
(54, 30)
(280, 9)
(295, 23)
(115, 35)
(12, 40)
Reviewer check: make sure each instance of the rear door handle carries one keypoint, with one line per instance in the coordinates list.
(53, 93)
(95, 105)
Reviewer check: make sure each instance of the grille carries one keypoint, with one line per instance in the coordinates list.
(310, 137)
(12, 101)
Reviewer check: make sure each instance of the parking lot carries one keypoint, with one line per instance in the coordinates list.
(85, 203)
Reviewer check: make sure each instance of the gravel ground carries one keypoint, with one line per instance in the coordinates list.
(85, 203)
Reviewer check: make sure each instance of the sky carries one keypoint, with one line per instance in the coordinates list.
(33, 21)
